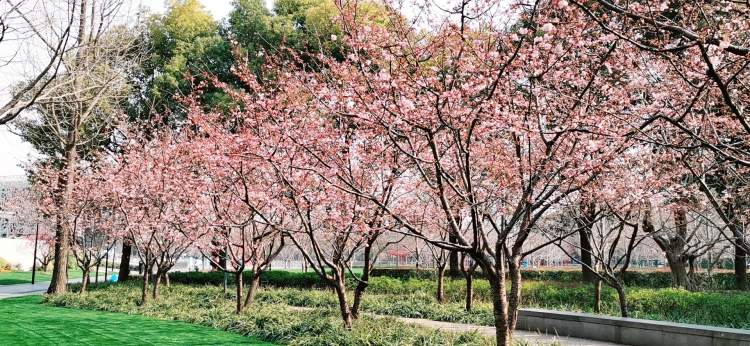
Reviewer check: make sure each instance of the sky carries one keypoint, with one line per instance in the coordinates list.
(13, 151)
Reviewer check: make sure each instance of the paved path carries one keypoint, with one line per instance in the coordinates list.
(10, 291)
(533, 338)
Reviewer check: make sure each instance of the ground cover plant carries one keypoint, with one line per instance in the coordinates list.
(416, 298)
(27, 322)
(411, 296)
(209, 306)
(649, 279)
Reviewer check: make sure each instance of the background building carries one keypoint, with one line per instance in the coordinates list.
(10, 224)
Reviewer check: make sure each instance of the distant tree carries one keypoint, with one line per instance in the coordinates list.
(53, 27)
(79, 121)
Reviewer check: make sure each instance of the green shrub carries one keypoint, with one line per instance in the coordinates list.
(266, 320)
(277, 278)
(653, 279)
(415, 298)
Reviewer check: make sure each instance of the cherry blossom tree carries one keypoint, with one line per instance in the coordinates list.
(699, 55)
(485, 123)
(96, 225)
(159, 191)
(239, 191)
(295, 157)
(496, 122)
(700, 52)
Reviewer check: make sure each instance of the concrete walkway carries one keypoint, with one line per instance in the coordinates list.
(533, 338)
(20, 290)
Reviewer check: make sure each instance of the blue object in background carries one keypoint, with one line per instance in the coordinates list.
(113, 278)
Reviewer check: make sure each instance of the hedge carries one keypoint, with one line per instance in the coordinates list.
(280, 278)
(632, 278)
(276, 278)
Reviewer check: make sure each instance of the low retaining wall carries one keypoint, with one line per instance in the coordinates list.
(629, 331)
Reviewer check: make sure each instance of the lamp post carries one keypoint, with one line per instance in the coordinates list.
(106, 264)
(33, 263)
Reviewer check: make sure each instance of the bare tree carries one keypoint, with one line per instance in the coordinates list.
(677, 234)
(29, 30)
(612, 240)
(81, 107)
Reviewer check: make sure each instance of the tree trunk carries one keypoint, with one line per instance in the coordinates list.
(453, 267)
(59, 282)
(586, 261)
(238, 285)
(469, 290)
(598, 296)
(166, 280)
(157, 285)
(96, 276)
(124, 272)
(587, 214)
(346, 313)
(514, 301)
(679, 271)
(85, 281)
(254, 284)
(357, 304)
(503, 334)
(622, 300)
(740, 267)
(440, 294)
(144, 288)
(691, 267)
(364, 281)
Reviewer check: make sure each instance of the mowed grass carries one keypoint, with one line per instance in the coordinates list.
(25, 321)
(15, 278)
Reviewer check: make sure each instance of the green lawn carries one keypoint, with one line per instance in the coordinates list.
(14, 278)
(25, 321)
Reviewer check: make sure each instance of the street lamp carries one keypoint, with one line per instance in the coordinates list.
(33, 263)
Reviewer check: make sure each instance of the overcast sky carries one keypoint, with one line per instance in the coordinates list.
(13, 151)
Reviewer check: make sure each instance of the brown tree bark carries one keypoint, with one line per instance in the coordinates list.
(503, 332)
(157, 285)
(514, 300)
(346, 313)
(678, 268)
(59, 281)
(440, 292)
(740, 267)
(253, 289)
(587, 215)
(469, 291)
(622, 299)
(364, 281)
(85, 280)
(124, 272)
(144, 287)
(238, 286)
